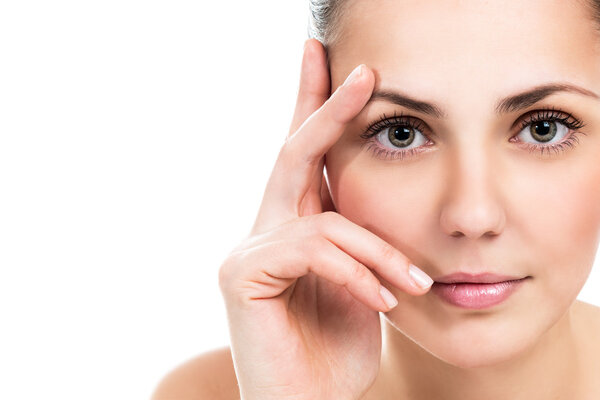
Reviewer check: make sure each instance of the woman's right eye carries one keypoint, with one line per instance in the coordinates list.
(399, 137)
(392, 138)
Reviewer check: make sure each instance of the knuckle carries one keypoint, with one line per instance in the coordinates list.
(292, 151)
(295, 228)
(311, 158)
(288, 153)
(331, 215)
(317, 249)
(224, 275)
(312, 224)
(286, 146)
(325, 219)
(284, 157)
(227, 270)
(357, 270)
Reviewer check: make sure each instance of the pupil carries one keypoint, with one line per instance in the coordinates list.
(401, 133)
(543, 130)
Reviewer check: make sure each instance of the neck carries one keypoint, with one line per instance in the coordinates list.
(552, 368)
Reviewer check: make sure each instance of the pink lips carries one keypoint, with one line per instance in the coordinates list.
(475, 295)
(464, 277)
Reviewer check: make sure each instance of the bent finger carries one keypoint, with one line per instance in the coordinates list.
(266, 271)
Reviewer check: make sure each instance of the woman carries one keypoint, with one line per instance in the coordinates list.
(467, 143)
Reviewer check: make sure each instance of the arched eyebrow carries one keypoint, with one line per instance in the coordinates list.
(508, 104)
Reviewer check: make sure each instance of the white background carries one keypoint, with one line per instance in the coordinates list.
(135, 142)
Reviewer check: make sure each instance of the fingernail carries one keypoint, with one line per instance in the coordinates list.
(354, 75)
(420, 278)
(388, 297)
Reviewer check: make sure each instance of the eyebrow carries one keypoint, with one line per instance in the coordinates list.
(508, 104)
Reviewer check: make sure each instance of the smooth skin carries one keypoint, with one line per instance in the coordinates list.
(303, 305)
(302, 302)
(517, 212)
(475, 197)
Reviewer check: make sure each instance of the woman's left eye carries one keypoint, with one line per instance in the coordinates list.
(548, 128)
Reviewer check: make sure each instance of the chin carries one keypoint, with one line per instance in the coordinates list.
(467, 344)
(478, 348)
(493, 356)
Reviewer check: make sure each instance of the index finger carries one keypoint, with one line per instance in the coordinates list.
(314, 86)
(324, 127)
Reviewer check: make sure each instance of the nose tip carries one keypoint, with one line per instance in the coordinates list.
(472, 203)
(472, 221)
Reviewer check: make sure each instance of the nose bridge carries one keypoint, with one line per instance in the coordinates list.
(472, 205)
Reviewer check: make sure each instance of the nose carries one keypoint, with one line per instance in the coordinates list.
(473, 204)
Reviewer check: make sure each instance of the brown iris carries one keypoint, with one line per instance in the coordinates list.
(401, 136)
(543, 131)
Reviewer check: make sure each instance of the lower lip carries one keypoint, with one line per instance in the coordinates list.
(476, 295)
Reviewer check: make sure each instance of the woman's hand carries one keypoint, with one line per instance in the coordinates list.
(302, 302)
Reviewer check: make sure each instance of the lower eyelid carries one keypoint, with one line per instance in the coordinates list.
(378, 149)
(552, 114)
(382, 152)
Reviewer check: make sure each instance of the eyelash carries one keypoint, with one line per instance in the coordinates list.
(552, 115)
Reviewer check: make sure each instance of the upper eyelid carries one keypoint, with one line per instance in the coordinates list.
(562, 116)
(522, 121)
(385, 120)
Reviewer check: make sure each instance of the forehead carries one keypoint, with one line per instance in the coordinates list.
(436, 47)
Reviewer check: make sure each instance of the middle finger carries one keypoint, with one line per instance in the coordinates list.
(324, 127)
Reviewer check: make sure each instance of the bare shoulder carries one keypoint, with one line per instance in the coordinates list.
(210, 375)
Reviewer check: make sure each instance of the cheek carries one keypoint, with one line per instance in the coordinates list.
(551, 231)
(557, 215)
(388, 202)
(551, 210)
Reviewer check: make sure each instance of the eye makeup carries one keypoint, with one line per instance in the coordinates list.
(400, 128)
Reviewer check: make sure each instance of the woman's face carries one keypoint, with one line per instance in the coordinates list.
(475, 191)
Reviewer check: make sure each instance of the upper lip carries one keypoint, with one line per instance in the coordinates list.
(486, 277)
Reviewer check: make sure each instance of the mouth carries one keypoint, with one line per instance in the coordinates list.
(486, 277)
(477, 295)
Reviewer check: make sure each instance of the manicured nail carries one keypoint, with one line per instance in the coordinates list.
(420, 278)
(388, 297)
(355, 75)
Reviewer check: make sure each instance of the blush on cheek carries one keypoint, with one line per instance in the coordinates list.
(358, 202)
(583, 226)
(589, 209)
(558, 221)
(576, 212)
(377, 201)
